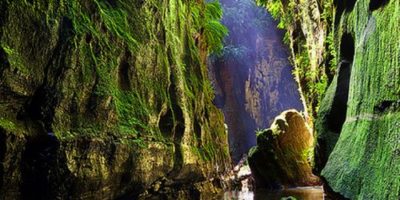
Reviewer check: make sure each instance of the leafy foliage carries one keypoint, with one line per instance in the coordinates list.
(214, 31)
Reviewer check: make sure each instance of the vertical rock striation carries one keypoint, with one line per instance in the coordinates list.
(253, 76)
(102, 99)
(358, 119)
(365, 162)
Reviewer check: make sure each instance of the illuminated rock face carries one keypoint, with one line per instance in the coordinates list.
(253, 78)
(102, 99)
(283, 153)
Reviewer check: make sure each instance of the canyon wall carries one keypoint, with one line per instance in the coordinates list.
(253, 76)
(103, 99)
(365, 162)
(357, 121)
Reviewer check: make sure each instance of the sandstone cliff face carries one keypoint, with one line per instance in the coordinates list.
(101, 99)
(253, 78)
(307, 34)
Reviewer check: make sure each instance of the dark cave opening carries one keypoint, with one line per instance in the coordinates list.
(341, 6)
(166, 123)
(386, 106)
(123, 75)
(41, 106)
(39, 158)
(3, 60)
(337, 115)
(347, 48)
(347, 5)
(376, 4)
(3, 149)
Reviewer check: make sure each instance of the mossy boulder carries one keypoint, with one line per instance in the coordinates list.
(283, 153)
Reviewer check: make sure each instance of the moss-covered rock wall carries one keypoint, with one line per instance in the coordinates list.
(309, 36)
(357, 122)
(100, 99)
(365, 163)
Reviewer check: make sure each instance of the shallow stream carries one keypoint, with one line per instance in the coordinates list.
(303, 193)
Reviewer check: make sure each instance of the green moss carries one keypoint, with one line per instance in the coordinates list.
(14, 58)
(7, 124)
(114, 74)
(306, 26)
(369, 167)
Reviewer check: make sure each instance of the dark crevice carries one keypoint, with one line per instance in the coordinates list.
(39, 159)
(180, 126)
(136, 188)
(341, 6)
(337, 115)
(3, 149)
(176, 118)
(197, 129)
(376, 4)
(178, 135)
(3, 60)
(66, 29)
(329, 73)
(123, 73)
(386, 106)
(112, 153)
(3, 14)
(42, 106)
(347, 48)
(166, 123)
(88, 38)
(344, 5)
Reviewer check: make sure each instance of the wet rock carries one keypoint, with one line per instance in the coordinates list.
(240, 178)
(283, 152)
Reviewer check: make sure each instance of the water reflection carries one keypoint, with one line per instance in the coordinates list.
(303, 193)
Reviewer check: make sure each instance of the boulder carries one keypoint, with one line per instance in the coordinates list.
(282, 157)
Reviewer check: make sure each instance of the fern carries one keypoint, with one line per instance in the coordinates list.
(214, 31)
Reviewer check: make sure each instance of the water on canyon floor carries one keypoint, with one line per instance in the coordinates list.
(303, 193)
(243, 173)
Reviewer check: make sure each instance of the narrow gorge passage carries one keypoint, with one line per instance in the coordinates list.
(253, 76)
(199, 99)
